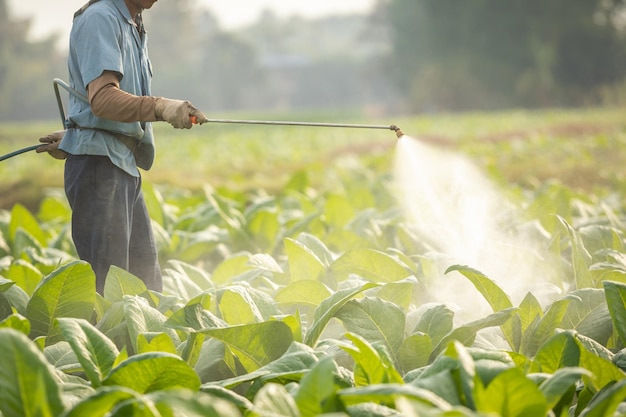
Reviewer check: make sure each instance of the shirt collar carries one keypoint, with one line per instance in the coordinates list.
(121, 6)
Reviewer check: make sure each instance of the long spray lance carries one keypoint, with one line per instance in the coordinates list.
(60, 83)
(395, 128)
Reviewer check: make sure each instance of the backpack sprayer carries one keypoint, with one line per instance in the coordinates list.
(60, 83)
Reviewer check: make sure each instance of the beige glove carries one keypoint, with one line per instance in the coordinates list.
(51, 144)
(178, 113)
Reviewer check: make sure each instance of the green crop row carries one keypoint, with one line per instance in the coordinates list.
(320, 300)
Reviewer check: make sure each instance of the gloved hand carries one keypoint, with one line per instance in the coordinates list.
(51, 144)
(178, 113)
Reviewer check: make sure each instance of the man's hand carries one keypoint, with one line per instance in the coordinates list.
(51, 145)
(178, 113)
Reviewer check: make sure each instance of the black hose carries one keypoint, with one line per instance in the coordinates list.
(18, 152)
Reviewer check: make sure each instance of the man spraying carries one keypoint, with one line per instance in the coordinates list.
(109, 136)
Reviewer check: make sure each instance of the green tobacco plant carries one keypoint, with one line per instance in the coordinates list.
(313, 297)
(67, 292)
(616, 299)
(95, 352)
(28, 382)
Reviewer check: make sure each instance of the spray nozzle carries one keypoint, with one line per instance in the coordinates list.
(399, 133)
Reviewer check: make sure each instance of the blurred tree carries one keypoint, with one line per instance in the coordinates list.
(175, 43)
(230, 74)
(455, 54)
(193, 58)
(330, 62)
(26, 71)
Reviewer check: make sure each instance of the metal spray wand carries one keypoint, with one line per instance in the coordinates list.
(57, 82)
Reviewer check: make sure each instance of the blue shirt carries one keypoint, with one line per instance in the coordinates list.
(105, 38)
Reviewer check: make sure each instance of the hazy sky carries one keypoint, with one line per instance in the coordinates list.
(55, 16)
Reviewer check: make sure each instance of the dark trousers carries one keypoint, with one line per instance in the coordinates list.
(110, 222)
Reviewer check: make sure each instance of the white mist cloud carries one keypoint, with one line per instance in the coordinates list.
(466, 220)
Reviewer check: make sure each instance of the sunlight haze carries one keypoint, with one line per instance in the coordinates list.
(54, 17)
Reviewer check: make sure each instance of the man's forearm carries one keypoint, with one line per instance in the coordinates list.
(109, 102)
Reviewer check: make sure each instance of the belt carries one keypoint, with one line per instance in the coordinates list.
(130, 142)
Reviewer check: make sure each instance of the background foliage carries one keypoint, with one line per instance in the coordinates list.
(421, 55)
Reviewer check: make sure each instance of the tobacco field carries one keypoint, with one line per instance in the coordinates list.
(295, 285)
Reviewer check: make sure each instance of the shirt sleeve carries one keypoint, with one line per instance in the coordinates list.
(109, 102)
(99, 46)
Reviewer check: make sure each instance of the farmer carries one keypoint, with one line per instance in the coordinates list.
(109, 135)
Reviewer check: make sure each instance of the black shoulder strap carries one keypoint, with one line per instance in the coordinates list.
(82, 9)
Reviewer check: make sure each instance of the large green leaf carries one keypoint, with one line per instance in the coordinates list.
(560, 383)
(274, 400)
(5, 305)
(559, 351)
(303, 263)
(185, 280)
(400, 293)
(319, 249)
(388, 393)
(237, 307)
(195, 316)
(232, 397)
(414, 352)
(95, 352)
(615, 293)
(12, 296)
(327, 310)
(25, 275)
(376, 320)
(119, 283)
(370, 264)
(303, 293)
(489, 363)
(62, 357)
(70, 291)
(581, 259)
(315, 388)
(231, 267)
(291, 365)
(190, 246)
(16, 322)
(544, 328)
(25, 244)
(464, 374)
(27, 383)
(154, 203)
(156, 342)
(439, 380)
(102, 402)
(142, 318)
(467, 333)
(255, 344)
(5, 284)
(589, 315)
(605, 402)
(21, 218)
(604, 371)
(495, 296)
(153, 371)
(370, 367)
(435, 321)
(192, 404)
(511, 394)
(529, 313)
(264, 227)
